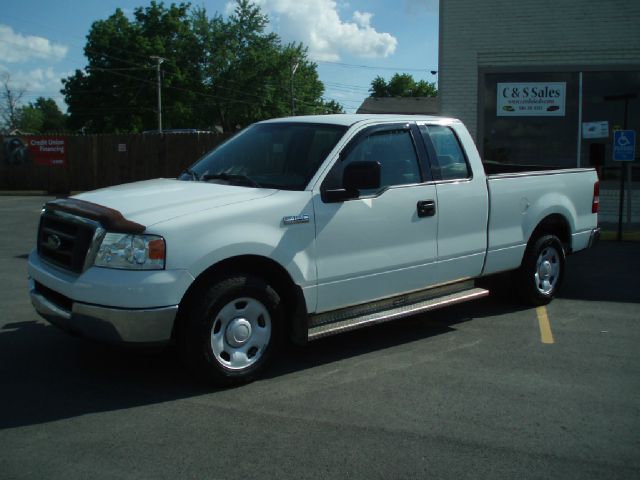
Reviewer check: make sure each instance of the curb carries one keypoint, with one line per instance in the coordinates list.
(24, 193)
(611, 236)
(37, 193)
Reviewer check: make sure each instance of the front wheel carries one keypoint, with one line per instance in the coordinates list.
(233, 327)
(542, 270)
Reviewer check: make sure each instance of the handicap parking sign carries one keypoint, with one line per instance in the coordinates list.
(624, 145)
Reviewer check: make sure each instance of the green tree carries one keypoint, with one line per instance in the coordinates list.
(53, 120)
(331, 107)
(116, 92)
(379, 87)
(249, 73)
(228, 72)
(402, 85)
(29, 119)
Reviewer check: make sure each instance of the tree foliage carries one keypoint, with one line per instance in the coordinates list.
(402, 85)
(41, 116)
(216, 71)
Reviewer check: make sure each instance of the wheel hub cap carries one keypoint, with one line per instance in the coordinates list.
(545, 269)
(238, 332)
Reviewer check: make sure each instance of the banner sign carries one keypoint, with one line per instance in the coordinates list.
(539, 99)
(47, 151)
(595, 129)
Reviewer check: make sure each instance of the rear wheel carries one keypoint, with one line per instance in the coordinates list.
(542, 271)
(233, 328)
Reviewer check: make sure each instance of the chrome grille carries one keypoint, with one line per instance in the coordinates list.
(64, 240)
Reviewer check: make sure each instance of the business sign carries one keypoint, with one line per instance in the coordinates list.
(539, 99)
(624, 145)
(595, 129)
(47, 151)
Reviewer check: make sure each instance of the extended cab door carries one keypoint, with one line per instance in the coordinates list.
(383, 242)
(463, 203)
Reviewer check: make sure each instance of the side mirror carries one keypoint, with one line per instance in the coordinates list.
(356, 176)
(361, 176)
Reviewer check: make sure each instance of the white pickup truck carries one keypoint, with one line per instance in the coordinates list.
(304, 227)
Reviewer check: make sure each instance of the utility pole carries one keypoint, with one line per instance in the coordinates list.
(159, 81)
(294, 67)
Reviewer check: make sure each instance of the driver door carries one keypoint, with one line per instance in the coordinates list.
(383, 242)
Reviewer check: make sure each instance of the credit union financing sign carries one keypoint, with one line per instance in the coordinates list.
(47, 151)
(539, 99)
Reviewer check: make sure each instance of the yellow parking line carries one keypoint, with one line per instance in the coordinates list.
(545, 327)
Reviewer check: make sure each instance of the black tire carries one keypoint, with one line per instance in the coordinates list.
(542, 271)
(219, 316)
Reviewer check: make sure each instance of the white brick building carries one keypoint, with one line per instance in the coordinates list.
(582, 57)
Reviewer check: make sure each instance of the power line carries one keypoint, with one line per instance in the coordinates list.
(138, 67)
(373, 67)
(172, 64)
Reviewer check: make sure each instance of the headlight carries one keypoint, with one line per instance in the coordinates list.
(132, 252)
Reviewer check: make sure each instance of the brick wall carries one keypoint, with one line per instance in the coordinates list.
(516, 33)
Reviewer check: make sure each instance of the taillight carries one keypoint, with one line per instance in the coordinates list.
(596, 198)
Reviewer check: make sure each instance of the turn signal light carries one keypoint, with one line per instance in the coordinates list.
(156, 249)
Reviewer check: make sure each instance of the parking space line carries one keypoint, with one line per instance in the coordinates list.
(546, 336)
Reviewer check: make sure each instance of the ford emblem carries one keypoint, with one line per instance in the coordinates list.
(54, 242)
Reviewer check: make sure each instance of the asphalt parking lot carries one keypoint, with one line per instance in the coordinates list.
(475, 391)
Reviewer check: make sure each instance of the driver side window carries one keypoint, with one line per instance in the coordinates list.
(395, 152)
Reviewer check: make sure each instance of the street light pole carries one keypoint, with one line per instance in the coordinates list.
(159, 82)
(294, 67)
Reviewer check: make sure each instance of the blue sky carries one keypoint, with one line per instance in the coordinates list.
(351, 40)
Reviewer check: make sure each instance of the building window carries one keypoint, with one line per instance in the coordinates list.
(611, 101)
(531, 118)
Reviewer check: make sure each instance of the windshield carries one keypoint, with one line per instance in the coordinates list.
(269, 155)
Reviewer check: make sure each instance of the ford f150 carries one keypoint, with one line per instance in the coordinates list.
(304, 227)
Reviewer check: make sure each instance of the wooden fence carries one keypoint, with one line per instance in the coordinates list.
(95, 161)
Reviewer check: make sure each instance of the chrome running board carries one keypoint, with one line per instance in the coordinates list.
(352, 318)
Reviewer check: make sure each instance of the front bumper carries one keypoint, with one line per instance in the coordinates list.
(112, 325)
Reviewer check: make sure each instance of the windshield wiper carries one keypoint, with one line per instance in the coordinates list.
(231, 177)
(194, 175)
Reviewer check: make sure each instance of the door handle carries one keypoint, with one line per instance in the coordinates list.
(426, 208)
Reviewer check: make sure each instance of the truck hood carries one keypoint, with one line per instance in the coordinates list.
(153, 201)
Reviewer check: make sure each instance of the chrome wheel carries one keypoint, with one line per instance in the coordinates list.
(547, 271)
(240, 333)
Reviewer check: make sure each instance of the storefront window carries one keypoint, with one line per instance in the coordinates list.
(558, 124)
(606, 98)
(531, 119)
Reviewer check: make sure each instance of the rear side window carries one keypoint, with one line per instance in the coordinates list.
(452, 163)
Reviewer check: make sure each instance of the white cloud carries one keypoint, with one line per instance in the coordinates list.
(363, 19)
(16, 48)
(38, 82)
(318, 25)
